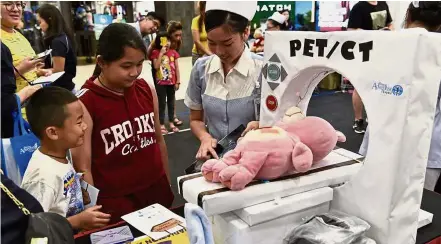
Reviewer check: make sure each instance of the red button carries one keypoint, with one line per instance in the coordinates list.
(271, 103)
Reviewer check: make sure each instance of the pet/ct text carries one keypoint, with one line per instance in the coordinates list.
(320, 48)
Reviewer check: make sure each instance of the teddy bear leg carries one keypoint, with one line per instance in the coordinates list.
(302, 157)
(236, 177)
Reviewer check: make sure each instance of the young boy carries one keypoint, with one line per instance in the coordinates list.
(56, 118)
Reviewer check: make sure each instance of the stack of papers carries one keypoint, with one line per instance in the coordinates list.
(158, 224)
(47, 79)
(112, 236)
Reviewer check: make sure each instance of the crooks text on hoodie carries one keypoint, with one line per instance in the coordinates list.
(125, 155)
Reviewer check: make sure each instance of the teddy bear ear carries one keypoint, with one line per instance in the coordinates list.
(340, 136)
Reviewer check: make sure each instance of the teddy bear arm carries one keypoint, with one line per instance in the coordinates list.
(236, 177)
(253, 161)
(212, 167)
(232, 157)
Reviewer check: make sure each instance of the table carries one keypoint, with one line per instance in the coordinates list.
(431, 203)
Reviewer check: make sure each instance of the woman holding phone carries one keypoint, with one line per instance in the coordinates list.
(223, 88)
(25, 67)
(10, 93)
(59, 38)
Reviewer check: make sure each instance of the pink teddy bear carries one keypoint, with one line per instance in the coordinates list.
(295, 143)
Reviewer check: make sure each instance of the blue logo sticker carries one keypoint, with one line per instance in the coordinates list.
(396, 90)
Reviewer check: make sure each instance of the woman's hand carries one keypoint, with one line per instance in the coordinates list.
(208, 144)
(253, 125)
(177, 86)
(27, 64)
(27, 91)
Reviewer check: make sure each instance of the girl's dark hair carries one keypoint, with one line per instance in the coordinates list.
(217, 18)
(202, 5)
(56, 24)
(114, 38)
(275, 23)
(157, 45)
(172, 27)
(427, 13)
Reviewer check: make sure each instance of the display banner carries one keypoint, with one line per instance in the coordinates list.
(266, 8)
(100, 22)
(397, 76)
(333, 15)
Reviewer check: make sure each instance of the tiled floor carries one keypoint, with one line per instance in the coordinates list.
(85, 71)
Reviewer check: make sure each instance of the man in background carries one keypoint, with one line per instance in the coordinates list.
(149, 24)
(367, 15)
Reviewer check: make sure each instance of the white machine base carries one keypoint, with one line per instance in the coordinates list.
(228, 228)
(424, 218)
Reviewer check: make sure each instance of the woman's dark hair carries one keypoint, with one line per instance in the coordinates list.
(157, 45)
(275, 23)
(288, 23)
(217, 18)
(114, 38)
(172, 27)
(427, 13)
(283, 11)
(56, 24)
(202, 5)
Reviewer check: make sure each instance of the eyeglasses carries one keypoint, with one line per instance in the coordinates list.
(156, 23)
(10, 6)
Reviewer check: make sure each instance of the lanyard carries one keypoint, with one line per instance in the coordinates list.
(24, 78)
(257, 97)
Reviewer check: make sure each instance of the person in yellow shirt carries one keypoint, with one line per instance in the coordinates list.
(200, 47)
(21, 49)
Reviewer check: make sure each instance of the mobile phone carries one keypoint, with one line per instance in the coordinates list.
(42, 54)
(229, 142)
(224, 145)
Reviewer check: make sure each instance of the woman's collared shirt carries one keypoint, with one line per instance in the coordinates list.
(227, 101)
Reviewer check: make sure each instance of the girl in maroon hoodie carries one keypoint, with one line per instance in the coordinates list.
(124, 154)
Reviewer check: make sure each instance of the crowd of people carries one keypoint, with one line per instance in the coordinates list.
(111, 130)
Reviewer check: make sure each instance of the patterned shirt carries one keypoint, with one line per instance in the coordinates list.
(166, 74)
(55, 185)
(227, 101)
